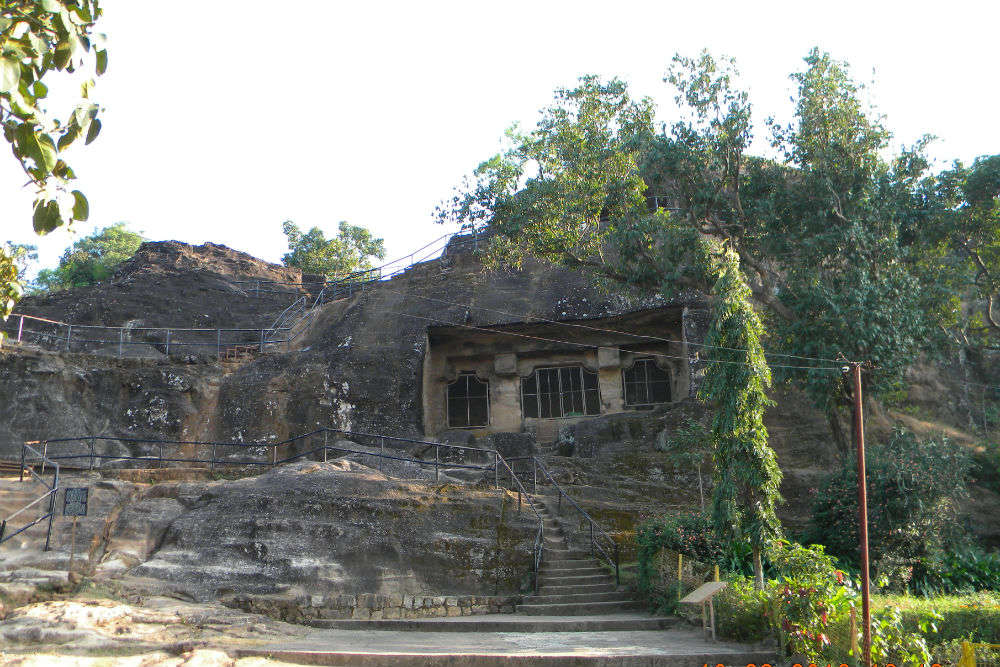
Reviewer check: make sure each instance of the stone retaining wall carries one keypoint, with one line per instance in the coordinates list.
(370, 606)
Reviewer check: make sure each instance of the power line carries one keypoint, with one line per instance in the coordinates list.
(590, 345)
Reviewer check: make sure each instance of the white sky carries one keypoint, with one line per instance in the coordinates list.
(225, 118)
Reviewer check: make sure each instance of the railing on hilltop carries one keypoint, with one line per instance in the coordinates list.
(602, 545)
(224, 342)
(31, 457)
(86, 337)
(391, 455)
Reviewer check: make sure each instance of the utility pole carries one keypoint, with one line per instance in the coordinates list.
(859, 443)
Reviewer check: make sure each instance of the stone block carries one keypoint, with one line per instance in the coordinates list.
(608, 357)
(505, 364)
(453, 611)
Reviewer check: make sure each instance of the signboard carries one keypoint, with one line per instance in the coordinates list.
(75, 501)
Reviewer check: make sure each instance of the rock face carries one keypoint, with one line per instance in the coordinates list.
(338, 538)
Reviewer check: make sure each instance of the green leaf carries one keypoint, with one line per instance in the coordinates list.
(81, 208)
(47, 148)
(51, 6)
(93, 131)
(72, 134)
(46, 216)
(10, 74)
(39, 90)
(63, 53)
(102, 61)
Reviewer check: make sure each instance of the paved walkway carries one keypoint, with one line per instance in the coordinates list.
(676, 647)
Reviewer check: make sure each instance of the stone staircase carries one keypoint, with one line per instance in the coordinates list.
(570, 582)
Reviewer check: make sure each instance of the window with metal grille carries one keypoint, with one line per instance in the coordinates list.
(468, 402)
(567, 391)
(645, 384)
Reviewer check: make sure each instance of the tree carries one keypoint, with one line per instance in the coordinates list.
(38, 37)
(350, 251)
(91, 259)
(747, 477)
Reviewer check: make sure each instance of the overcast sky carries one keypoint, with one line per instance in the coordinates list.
(225, 118)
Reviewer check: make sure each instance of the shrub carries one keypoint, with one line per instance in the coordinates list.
(913, 489)
(741, 611)
(963, 570)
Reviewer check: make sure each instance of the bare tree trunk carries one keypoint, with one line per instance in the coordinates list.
(758, 569)
(837, 431)
(701, 489)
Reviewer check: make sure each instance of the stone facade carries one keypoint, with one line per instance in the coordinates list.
(370, 606)
(500, 357)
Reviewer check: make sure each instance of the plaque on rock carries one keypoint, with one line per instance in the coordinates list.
(75, 501)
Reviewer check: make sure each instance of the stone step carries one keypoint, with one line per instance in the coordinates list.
(566, 562)
(565, 554)
(549, 589)
(505, 623)
(549, 575)
(576, 608)
(568, 598)
(573, 580)
(576, 569)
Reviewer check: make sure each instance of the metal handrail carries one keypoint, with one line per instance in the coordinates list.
(539, 541)
(595, 528)
(51, 490)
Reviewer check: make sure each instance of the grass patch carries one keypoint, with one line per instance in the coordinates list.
(975, 617)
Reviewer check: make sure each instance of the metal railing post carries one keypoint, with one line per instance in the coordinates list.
(218, 342)
(45, 454)
(121, 342)
(591, 538)
(381, 452)
(161, 455)
(274, 456)
(496, 469)
(92, 453)
(534, 475)
(22, 461)
(325, 437)
(168, 343)
(437, 462)
(69, 334)
(52, 509)
(20, 329)
(262, 341)
(212, 462)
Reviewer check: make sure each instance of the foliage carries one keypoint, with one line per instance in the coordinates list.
(351, 250)
(571, 192)
(741, 611)
(91, 259)
(808, 596)
(913, 487)
(24, 255)
(10, 285)
(960, 569)
(747, 477)
(690, 446)
(38, 37)
(975, 617)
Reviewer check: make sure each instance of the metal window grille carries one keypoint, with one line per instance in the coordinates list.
(564, 391)
(645, 384)
(468, 400)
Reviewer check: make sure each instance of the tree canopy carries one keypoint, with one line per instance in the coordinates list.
(91, 259)
(351, 250)
(850, 250)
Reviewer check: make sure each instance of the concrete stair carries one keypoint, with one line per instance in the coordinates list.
(571, 583)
